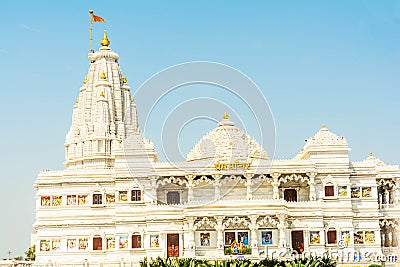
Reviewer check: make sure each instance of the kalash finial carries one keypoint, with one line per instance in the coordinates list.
(226, 116)
(132, 99)
(85, 80)
(371, 154)
(124, 79)
(102, 75)
(323, 126)
(105, 41)
(101, 94)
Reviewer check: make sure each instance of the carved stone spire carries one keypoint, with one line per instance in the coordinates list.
(104, 116)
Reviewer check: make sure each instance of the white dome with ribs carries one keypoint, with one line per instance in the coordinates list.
(227, 144)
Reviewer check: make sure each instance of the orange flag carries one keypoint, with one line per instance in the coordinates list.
(97, 18)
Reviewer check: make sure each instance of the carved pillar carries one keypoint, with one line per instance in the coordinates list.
(190, 178)
(307, 241)
(397, 192)
(313, 196)
(275, 185)
(386, 196)
(153, 180)
(396, 236)
(220, 235)
(217, 184)
(281, 228)
(254, 239)
(190, 246)
(248, 183)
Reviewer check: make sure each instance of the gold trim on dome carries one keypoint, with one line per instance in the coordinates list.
(226, 116)
(105, 41)
(102, 75)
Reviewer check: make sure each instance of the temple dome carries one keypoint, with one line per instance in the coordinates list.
(227, 144)
(324, 141)
(326, 137)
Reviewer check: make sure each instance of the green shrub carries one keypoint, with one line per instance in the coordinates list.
(246, 251)
(228, 251)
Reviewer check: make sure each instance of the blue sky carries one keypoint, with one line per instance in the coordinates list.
(332, 62)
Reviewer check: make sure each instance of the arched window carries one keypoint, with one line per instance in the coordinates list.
(331, 236)
(97, 243)
(329, 190)
(97, 198)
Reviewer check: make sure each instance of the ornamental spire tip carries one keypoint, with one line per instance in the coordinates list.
(226, 116)
(105, 41)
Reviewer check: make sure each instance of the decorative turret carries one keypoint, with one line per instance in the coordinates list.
(325, 146)
(104, 116)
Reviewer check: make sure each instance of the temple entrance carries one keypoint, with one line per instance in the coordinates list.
(298, 241)
(173, 198)
(173, 245)
(290, 195)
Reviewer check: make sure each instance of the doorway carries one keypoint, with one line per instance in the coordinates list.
(290, 195)
(173, 245)
(173, 198)
(298, 241)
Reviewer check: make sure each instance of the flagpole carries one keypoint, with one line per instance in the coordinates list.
(91, 34)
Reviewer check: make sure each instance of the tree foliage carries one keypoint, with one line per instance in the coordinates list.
(30, 254)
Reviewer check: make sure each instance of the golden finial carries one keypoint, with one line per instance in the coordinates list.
(371, 154)
(105, 41)
(77, 100)
(323, 126)
(132, 99)
(124, 79)
(85, 80)
(103, 75)
(102, 94)
(226, 116)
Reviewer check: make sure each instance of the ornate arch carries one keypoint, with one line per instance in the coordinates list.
(262, 178)
(203, 179)
(294, 177)
(391, 223)
(236, 222)
(211, 223)
(267, 221)
(386, 182)
(172, 180)
(232, 178)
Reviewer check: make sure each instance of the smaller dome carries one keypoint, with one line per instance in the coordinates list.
(326, 137)
(227, 144)
(323, 141)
